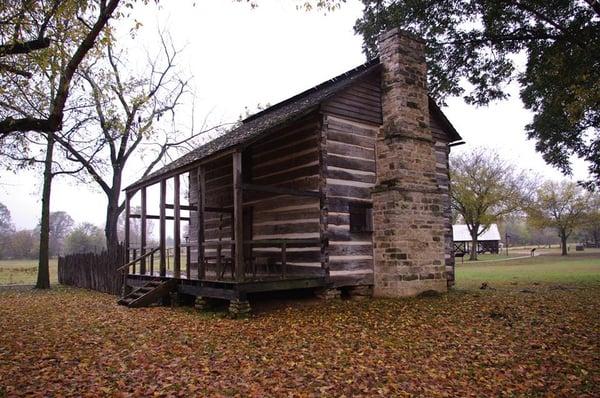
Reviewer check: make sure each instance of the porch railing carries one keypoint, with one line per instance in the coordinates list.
(221, 263)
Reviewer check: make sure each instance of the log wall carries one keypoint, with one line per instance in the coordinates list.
(219, 193)
(288, 158)
(350, 177)
(351, 121)
(361, 102)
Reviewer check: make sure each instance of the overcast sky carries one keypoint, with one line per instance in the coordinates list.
(242, 57)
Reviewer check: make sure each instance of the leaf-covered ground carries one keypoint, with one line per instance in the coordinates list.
(536, 340)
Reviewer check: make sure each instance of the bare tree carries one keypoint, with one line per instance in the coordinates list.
(127, 112)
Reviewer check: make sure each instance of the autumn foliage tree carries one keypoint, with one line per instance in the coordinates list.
(563, 206)
(484, 189)
(32, 34)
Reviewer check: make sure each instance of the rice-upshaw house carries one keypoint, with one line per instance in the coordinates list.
(341, 187)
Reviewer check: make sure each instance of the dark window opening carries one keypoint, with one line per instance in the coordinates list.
(361, 217)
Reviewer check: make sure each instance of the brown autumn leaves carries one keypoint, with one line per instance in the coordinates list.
(476, 343)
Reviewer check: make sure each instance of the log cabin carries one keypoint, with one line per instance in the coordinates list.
(343, 187)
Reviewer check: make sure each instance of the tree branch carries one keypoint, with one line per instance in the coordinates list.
(595, 4)
(24, 47)
(55, 119)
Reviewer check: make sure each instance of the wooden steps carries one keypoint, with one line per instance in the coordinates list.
(148, 294)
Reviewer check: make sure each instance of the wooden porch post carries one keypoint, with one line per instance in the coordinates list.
(201, 207)
(237, 216)
(163, 235)
(143, 232)
(127, 216)
(176, 228)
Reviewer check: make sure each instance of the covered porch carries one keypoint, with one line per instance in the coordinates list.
(219, 254)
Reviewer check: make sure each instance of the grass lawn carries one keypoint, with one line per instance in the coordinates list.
(579, 268)
(24, 272)
(540, 337)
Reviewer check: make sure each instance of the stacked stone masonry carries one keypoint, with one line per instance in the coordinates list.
(410, 225)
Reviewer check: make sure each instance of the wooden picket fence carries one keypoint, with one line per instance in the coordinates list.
(93, 271)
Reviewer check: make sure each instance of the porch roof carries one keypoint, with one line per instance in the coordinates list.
(283, 112)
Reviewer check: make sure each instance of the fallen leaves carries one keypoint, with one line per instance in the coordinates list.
(71, 342)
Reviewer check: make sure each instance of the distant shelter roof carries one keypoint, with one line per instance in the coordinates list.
(460, 233)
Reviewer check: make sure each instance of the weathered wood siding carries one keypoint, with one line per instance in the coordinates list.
(361, 102)
(443, 178)
(219, 193)
(350, 177)
(351, 121)
(288, 158)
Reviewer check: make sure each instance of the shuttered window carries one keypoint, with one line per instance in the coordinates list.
(361, 217)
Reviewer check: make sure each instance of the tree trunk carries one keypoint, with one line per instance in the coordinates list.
(473, 256)
(43, 277)
(563, 241)
(112, 221)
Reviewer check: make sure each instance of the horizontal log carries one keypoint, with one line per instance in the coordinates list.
(350, 175)
(296, 161)
(366, 109)
(276, 176)
(223, 180)
(282, 203)
(291, 256)
(301, 184)
(288, 242)
(354, 139)
(214, 234)
(214, 173)
(278, 190)
(298, 144)
(223, 199)
(352, 280)
(343, 149)
(353, 114)
(350, 163)
(338, 234)
(351, 265)
(340, 125)
(338, 218)
(360, 98)
(295, 132)
(348, 191)
(286, 215)
(351, 250)
(286, 228)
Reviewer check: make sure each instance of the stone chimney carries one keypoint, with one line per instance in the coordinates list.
(408, 218)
